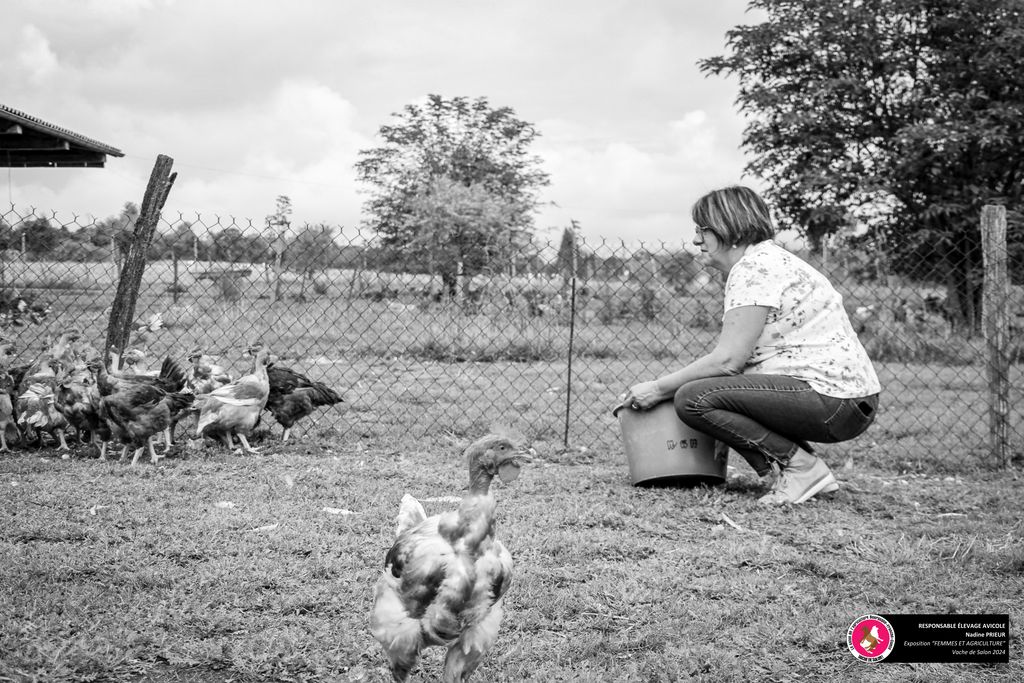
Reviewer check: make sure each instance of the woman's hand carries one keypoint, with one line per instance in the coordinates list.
(643, 396)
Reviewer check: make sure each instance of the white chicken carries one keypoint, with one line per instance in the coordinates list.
(445, 576)
(235, 408)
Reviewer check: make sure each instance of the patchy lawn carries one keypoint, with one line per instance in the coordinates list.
(215, 567)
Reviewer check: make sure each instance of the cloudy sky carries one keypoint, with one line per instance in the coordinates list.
(257, 98)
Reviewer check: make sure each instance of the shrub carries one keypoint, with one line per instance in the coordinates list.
(228, 288)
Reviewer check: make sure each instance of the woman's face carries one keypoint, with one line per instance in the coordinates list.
(713, 247)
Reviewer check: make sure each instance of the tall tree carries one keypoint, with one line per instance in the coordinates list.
(464, 142)
(279, 225)
(311, 251)
(916, 100)
(458, 229)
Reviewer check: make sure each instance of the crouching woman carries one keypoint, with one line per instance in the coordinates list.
(788, 367)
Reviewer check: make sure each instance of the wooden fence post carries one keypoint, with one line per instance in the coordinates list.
(122, 310)
(996, 324)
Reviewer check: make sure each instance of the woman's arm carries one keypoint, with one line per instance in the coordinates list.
(741, 328)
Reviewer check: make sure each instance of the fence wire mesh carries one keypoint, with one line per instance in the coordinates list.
(415, 353)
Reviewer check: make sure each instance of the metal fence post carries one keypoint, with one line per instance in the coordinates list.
(572, 330)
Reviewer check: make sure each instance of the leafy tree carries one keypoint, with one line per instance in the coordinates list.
(460, 229)
(917, 100)
(233, 245)
(40, 237)
(464, 142)
(229, 245)
(568, 252)
(8, 238)
(184, 242)
(312, 250)
(279, 224)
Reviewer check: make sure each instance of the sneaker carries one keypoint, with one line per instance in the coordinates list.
(803, 478)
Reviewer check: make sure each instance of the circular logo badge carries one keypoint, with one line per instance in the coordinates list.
(870, 638)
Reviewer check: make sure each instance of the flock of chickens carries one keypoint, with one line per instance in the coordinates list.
(69, 387)
(445, 577)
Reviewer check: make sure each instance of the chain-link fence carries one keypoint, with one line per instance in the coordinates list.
(421, 346)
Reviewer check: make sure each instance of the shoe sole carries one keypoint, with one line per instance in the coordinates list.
(827, 484)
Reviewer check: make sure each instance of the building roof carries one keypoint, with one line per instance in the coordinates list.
(29, 141)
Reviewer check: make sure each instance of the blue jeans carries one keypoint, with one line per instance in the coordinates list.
(765, 418)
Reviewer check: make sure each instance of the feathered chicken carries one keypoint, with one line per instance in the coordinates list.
(235, 407)
(201, 377)
(132, 363)
(135, 411)
(7, 420)
(445, 576)
(293, 396)
(204, 375)
(36, 407)
(78, 398)
(170, 377)
(169, 380)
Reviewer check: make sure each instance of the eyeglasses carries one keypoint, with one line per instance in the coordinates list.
(701, 239)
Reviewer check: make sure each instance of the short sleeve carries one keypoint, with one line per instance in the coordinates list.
(756, 281)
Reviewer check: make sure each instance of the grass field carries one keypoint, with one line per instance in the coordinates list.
(215, 567)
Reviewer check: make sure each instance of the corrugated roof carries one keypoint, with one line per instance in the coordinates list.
(26, 140)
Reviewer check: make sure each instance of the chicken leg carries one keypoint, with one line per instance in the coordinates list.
(152, 452)
(246, 448)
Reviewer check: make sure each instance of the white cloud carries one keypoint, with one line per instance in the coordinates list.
(34, 56)
(635, 190)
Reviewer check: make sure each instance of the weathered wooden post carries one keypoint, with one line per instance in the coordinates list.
(123, 309)
(996, 324)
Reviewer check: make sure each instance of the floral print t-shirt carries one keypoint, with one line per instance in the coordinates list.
(807, 334)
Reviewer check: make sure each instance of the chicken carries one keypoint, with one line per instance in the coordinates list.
(136, 411)
(294, 396)
(132, 360)
(445, 576)
(169, 381)
(36, 407)
(170, 378)
(204, 375)
(7, 420)
(78, 398)
(235, 407)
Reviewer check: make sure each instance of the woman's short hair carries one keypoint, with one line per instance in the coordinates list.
(737, 215)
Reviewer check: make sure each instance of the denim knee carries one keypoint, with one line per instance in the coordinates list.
(687, 402)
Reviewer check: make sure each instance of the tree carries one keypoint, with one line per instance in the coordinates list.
(312, 250)
(568, 253)
(279, 224)
(428, 151)
(40, 238)
(458, 229)
(184, 242)
(917, 100)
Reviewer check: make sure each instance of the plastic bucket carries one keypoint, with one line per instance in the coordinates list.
(661, 449)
